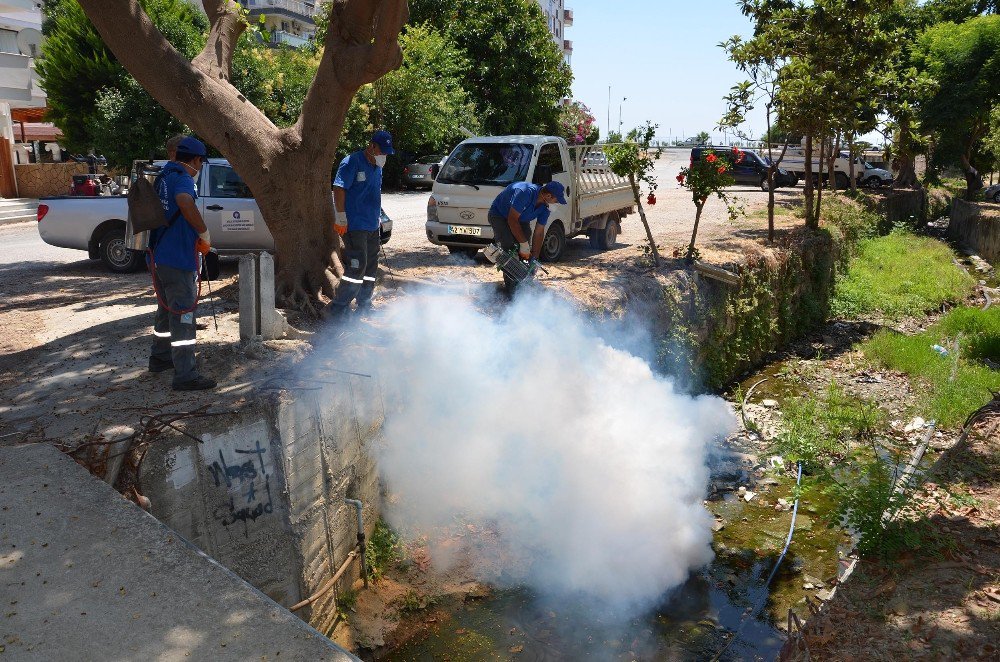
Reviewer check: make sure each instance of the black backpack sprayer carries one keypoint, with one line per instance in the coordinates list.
(511, 265)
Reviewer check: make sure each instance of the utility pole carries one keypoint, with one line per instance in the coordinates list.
(624, 99)
(608, 138)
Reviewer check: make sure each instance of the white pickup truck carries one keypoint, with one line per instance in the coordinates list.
(480, 168)
(97, 224)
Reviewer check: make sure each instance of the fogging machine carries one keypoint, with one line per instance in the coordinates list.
(511, 264)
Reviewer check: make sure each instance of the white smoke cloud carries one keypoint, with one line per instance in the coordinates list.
(590, 468)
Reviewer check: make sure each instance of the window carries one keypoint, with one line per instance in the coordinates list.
(489, 164)
(550, 156)
(223, 182)
(8, 42)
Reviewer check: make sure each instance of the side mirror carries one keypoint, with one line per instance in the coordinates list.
(435, 169)
(543, 174)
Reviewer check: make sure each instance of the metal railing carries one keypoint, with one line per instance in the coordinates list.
(289, 39)
(591, 169)
(294, 6)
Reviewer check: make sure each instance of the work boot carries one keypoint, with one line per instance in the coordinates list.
(199, 383)
(159, 365)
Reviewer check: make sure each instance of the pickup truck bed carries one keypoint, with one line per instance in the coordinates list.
(97, 224)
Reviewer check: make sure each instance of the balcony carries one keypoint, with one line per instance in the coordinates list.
(567, 46)
(290, 8)
(281, 38)
(568, 17)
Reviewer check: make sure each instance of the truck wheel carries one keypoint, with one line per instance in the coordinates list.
(843, 183)
(763, 185)
(996, 197)
(116, 256)
(554, 243)
(604, 238)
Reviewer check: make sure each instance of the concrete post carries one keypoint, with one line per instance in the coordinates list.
(272, 323)
(249, 324)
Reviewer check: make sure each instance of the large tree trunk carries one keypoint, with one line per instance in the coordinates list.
(851, 149)
(809, 189)
(973, 180)
(288, 170)
(831, 160)
(819, 177)
(907, 177)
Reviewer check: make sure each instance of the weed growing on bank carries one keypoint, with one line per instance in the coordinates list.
(382, 551)
(899, 275)
(820, 429)
(957, 383)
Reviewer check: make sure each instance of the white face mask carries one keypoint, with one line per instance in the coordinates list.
(380, 160)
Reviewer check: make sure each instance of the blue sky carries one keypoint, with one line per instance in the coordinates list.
(661, 54)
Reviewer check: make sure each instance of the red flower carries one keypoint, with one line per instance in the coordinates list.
(711, 158)
(680, 178)
(722, 169)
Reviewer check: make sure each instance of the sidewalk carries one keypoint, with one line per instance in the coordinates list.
(87, 575)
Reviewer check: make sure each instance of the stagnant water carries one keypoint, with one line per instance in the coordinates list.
(695, 621)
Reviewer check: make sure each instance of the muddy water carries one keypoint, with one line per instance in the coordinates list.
(697, 620)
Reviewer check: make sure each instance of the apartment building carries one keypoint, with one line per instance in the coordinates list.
(288, 22)
(559, 18)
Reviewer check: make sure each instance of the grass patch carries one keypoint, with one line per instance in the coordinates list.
(851, 220)
(818, 429)
(899, 275)
(948, 401)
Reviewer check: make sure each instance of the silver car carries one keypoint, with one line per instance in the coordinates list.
(419, 174)
(993, 193)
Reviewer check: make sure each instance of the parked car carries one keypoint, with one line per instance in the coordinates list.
(420, 173)
(993, 193)
(97, 224)
(751, 169)
(872, 176)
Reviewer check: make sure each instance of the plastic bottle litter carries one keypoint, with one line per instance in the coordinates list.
(940, 350)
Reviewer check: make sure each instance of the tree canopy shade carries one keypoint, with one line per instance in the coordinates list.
(99, 105)
(519, 76)
(963, 59)
(87, 88)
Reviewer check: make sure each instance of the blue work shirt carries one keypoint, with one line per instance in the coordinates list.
(174, 244)
(362, 184)
(522, 197)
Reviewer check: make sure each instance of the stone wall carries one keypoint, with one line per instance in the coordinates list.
(264, 493)
(41, 180)
(976, 225)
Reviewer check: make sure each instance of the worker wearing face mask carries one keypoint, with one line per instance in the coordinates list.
(357, 200)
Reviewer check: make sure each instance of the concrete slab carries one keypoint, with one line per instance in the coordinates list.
(87, 575)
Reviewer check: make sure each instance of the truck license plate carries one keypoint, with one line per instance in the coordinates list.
(464, 229)
(417, 176)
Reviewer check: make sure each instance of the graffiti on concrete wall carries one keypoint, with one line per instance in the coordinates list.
(244, 472)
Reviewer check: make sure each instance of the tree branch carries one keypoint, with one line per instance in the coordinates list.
(361, 46)
(213, 108)
(216, 59)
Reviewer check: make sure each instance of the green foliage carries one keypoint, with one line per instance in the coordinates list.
(423, 103)
(899, 275)
(382, 550)
(89, 91)
(635, 158)
(709, 175)
(853, 222)
(98, 105)
(816, 430)
(519, 76)
(946, 400)
(963, 60)
(577, 124)
(863, 495)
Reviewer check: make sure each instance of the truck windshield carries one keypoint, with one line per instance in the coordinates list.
(487, 164)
